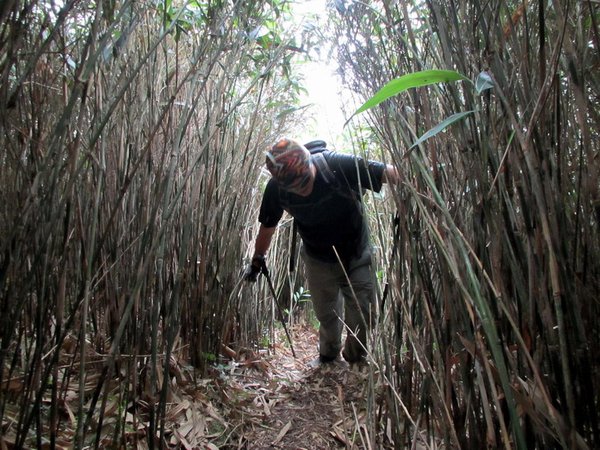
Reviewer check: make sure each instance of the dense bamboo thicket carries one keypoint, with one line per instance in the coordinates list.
(132, 138)
(132, 135)
(489, 335)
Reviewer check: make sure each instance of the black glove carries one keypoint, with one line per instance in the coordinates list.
(255, 267)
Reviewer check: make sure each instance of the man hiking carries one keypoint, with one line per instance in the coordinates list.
(322, 192)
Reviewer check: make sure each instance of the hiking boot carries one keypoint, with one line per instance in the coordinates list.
(329, 361)
(353, 358)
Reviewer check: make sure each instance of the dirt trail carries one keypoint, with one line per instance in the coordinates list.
(251, 400)
(296, 406)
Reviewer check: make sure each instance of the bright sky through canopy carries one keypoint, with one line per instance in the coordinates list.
(324, 118)
(325, 115)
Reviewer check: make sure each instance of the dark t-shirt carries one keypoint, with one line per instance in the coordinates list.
(331, 216)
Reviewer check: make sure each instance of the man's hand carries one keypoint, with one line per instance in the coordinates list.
(255, 267)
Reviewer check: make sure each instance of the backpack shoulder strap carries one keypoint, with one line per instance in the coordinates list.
(329, 177)
(324, 168)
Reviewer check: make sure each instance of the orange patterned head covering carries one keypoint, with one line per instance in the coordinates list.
(289, 163)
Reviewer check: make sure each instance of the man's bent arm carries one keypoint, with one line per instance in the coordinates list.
(391, 174)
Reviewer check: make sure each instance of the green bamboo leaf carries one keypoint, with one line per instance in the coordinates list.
(411, 80)
(440, 127)
(483, 82)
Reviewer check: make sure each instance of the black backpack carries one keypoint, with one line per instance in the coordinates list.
(316, 148)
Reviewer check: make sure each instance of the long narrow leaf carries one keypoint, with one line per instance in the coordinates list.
(411, 80)
(440, 127)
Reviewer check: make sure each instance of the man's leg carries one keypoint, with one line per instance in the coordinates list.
(359, 302)
(327, 302)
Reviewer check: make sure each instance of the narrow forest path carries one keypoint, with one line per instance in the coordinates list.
(292, 405)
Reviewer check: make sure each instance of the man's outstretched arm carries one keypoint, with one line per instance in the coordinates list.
(391, 174)
(263, 240)
(261, 245)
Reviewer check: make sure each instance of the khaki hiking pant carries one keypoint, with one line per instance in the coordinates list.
(334, 300)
